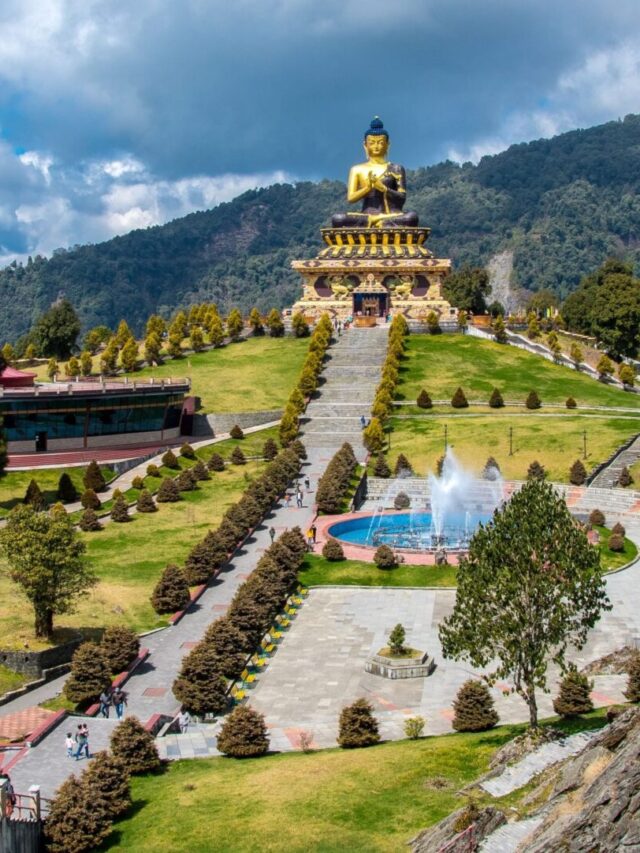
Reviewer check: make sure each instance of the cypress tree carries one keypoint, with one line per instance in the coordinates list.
(244, 734)
(132, 743)
(459, 400)
(76, 823)
(168, 491)
(424, 400)
(358, 726)
(577, 473)
(473, 708)
(170, 460)
(381, 468)
(200, 685)
(145, 502)
(216, 462)
(574, 697)
(120, 510)
(171, 593)
(199, 471)
(34, 497)
(107, 781)
(536, 471)
(89, 521)
(89, 674)
(496, 400)
(93, 477)
(67, 492)
(237, 457)
(120, 646)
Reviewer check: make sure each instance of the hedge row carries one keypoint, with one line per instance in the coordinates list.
(220, 657)
(373, 435)
(334, 483)
(307, 381)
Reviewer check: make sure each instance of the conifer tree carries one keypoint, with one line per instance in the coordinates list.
(396, 639)
(67, 492)
(186, 481)
(123, 334)
(129, 355)
(403, 466)
(187, 451)
(270, 449)
(132, 743)
(215, 331)
(168, 491)
(76, 823)
(275, 324)
(244, 734)
(90, 500)
(577, 473)
(89, 674)
(174, 345)
(536, 471)
(170, 460)
(332, 551)
(459, 400)
(358, 727)
(89, 521)
(625, 479)
(236, 432)
(299, 325)
(473, 708)
(499, 330)
(235, 324)
(86, 363)
(424, 400)
(605, 367)
(574, 697)
(237, 457)
(34, 497)
(109, 357)
(373, 436)
(107, 781)
(119, 645)
(120, 510)
(145, 502)
(52, 368)
(196, 339)
(255, 321)
(216, 462)
(199, 471)
(288, 429)
(496, 400)
(93, 477)
(200, 685)
(171, 593)
(152, 345)
(381, 468)
(570, 403)
(384, 558)
(532, 401)
(73, 367)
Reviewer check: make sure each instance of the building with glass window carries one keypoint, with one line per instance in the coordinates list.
(83, 414)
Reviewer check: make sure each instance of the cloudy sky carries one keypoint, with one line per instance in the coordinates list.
(117, 115)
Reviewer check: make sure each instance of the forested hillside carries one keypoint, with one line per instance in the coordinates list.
(561, 205)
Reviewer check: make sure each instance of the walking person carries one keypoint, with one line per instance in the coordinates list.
(363, 421)
(183, 720)
(85, 729)
(10, 796)
(287, 500)
(307, 483)
(299, 497)
(119, 701)
(105, 702)
(69, 743)
(314, 533)
(272, 534)
(81, 742)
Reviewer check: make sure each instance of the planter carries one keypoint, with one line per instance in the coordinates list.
(419, 666)
(365, 322)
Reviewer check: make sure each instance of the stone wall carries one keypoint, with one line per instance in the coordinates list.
(34, 663)
(216, 424)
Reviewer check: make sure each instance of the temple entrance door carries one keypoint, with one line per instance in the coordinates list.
(370, 304)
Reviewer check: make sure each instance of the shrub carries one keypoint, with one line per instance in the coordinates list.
(577, 473)
(616, 543)
(473, 708)
(532, 401)
(168, 491)
(120, 510)
(570, 403)
(270, 449)
(299, 449)
(215, 463)
(119, 645)
(625, 479)
(89, 521)
(403, 466)
(187, 451)
(633, 683)
(67, 492)
(536, 471)
(145, 502)
(237, 457)
(396, 639)
(93, 478)
(596, 518)
(131, 742)
(89, 674)
(225, 642)
(199, 471)
(381, 467)
(334, 483)
(204, 558)
(495, 400)
(618, 529)
(170, 460)
(90, 500)
(373, 436)
(153, 471)
(491, 470)
(200, 686)
(332, 550)
(171, 593)
(424, 400)
(459, 401)
(402, 501)
(243, 734)
(186, 481)
(384, 558)
(574, 697)
(236, 432)
(107, 781)
(77, 822)
(358, 727)
(34, 497)
(414, 727)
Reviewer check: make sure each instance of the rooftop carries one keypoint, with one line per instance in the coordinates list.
(99, 385)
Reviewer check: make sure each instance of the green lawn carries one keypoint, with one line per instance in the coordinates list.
(317, 571)
(13, 484)
(556, 442)
(253, 375)
(441, 363)
(333, 800)
(615, 559)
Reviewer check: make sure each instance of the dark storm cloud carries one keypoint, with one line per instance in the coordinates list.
(194, 90)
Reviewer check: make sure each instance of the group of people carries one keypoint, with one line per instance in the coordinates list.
(298, 493)
(311, 537)
(79, 743)
(116, 698)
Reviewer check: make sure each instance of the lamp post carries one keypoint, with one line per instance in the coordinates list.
(446, 444)
(584, 444)
(511, 441)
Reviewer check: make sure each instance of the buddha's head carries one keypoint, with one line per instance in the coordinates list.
(376, 139)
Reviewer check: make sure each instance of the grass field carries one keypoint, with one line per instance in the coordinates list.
(441, 363)
(13, 484)
(372, 800)
(128, 558)
(317, 571)
(556, 441)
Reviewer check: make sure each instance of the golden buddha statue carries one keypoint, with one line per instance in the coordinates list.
(380, 185)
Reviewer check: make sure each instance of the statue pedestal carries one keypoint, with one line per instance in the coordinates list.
(417, 666)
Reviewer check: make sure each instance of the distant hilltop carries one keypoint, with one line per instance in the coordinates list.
(555, 208)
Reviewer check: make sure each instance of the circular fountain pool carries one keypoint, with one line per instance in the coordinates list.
(414, 531)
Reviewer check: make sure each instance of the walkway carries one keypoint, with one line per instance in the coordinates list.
(609, 476)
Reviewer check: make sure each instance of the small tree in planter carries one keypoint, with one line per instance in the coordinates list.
(459, 400)
(237, 457)
(536, 471)
(145, 502)
(171, 593)
(120, 510)
(120, 646)
(236, 432)
(93, 478)
(270, 449)
(89, 674)
(571, 403)
(358, 726)
(532, 401)
(403, 466)
(170, 460)
(473, 708)
(596, 518)
(384, 558)
(243, 734)
(577, 473)
(67, 492)
(187, 451)
(402, 501)
(168, 491)
(89, 521)
(574, 697)
(131, 742)
(424, 400)
(34, 497)
(496, 400)
(332, 551)
(633, 684)
(107, 781)
(215, 463)
(381, 468)
(396, 640)
(625, 479)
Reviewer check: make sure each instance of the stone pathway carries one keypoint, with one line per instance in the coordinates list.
(609, 476)
(507, 838)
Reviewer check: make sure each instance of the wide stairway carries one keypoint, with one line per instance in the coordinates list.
(350, 377)
(609, 476)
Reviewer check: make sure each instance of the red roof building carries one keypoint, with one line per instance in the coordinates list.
(12, 378)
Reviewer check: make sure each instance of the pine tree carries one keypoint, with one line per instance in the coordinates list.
(496, 400)
(153, 471)
(107, 782)
(270, 449)
(199, 471)
(577, 473)
(129, 355)
(570, 403)
(373, 436)
(424, 400)
(396, 640)
(120, 510)
(186, 481)
(459, 400)
(86, 363)
(170, 460)
(275, 324)
(216, 462)
(120, 646)
(34, 497)
(358, 726)
(332, 551)
(288, 428)
(171, 593)
(52, 368)
(93, 477)
(132, 743)
(225, 642)
(243, 734)
(168, 491)
(90, 500)
(532, 401)
(215, 331)
(298, 448)
(618, 529)
(536, 471)
(73, 367)
(204, 559)
(633, 684)
(236, 432)
(255, 321)
(499, 330)
(89, 521)
(152, 345)
(145, 502)
(67, 492)
(235, 324)
(403, 467)
(625, 479)
(200, 685)
(473, 708)
(491, 470)
(604, 367)
(237, 457)
(187, 451)
(574, 697)
(89, 674)
(123, 333)
(597, 518)
(381, 468)
(76, 823)
(196, 339)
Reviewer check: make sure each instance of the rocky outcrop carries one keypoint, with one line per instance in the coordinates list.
(460, 832)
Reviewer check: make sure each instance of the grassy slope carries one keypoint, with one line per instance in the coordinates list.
(13, 484)
(334, 800)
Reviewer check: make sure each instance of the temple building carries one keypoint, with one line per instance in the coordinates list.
(374, 261)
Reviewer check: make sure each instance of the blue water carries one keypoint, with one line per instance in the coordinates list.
(408, 530)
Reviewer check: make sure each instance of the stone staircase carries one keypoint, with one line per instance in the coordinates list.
(507, 838)
(350, 378)
(608, 477)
